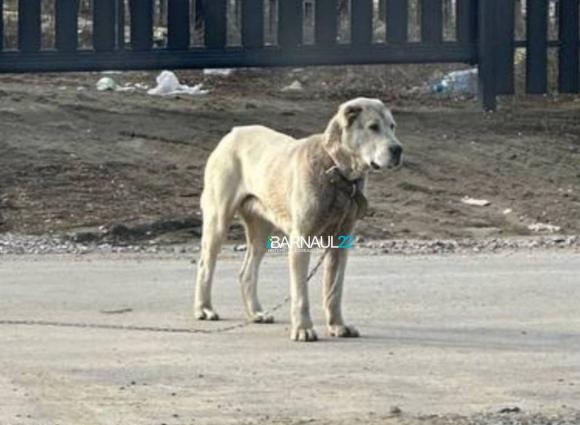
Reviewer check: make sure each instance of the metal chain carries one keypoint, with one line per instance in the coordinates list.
(222, 329)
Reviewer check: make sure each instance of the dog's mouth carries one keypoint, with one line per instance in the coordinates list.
(392, 165)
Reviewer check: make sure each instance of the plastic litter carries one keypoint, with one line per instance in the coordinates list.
(168, 85)
(219, 72)
(107, 84)
(475, 202)
(296, 86)
(543, 227)
(457, 82)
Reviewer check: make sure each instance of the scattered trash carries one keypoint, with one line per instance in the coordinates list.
(296, 86)
(396, 410)
(119, 311)
(514, 409)
(475, 202)
(507, 211)
(219, 72)
(457, 82)
(240, 248)
(168, 84)
(107, 84)
(543, 227)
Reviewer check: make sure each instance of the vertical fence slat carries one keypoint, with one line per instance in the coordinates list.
(397, 21)
(104, 14)
(466, 21)
(432, 21)
(361, 15)
(537, 47)
(505, 46)
(290, 26)
(29, 31)
(215, 23)
(120, 24)
(569, 72)
(1, 25)
(66, 25)
(178, 24)
(487, 19)
(326, 22)
(253, 23)
(141, 12)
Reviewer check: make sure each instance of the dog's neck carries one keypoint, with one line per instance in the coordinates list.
(344, 171)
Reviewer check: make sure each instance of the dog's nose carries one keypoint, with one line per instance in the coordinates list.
(396, 153)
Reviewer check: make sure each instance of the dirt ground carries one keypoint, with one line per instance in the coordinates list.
(76, 160)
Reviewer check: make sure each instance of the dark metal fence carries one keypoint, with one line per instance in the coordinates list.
(123, 37)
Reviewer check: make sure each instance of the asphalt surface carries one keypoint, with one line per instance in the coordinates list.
(440, 335)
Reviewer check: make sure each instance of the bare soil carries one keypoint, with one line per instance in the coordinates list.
(73, 159)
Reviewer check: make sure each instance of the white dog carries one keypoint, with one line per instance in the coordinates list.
(302, 188)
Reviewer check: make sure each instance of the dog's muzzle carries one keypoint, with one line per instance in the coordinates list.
(396, 155)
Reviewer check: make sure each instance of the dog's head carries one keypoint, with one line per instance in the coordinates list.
(361, 137)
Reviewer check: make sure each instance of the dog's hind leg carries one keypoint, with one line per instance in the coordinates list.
(257, 232)
(216, 221)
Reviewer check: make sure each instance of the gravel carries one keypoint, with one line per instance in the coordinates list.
(15, 244)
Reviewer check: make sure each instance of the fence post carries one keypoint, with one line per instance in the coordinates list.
(487, 60)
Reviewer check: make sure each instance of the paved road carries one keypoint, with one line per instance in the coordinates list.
(440, 334)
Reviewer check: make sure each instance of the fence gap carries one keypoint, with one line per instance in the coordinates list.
(569, 61)
(379, 22)
(160, 30)
(141, 12)
(253, 24)
(290, 13)
(505, 46)
(431, 21)
(449, 20)
(362, 23)
(397, 21)
(537, 47)
(234, 22)
(326, 22)
(344, 21)
(215, 23)
(308, 22)
(29, 25)
(414, 34)
(178, 24)
(553, 20)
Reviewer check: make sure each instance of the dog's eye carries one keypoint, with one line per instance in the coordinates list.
(393, 127)
(374, 127)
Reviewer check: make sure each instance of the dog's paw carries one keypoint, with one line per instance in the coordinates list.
(303, 335)
(206, 314)
(261, 317)
(342, 331)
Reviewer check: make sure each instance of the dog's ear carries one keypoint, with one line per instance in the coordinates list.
(351, 113)
(333, 134)
(333, 144)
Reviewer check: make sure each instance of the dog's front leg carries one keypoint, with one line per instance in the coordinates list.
(300, 308)
(334, 267)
